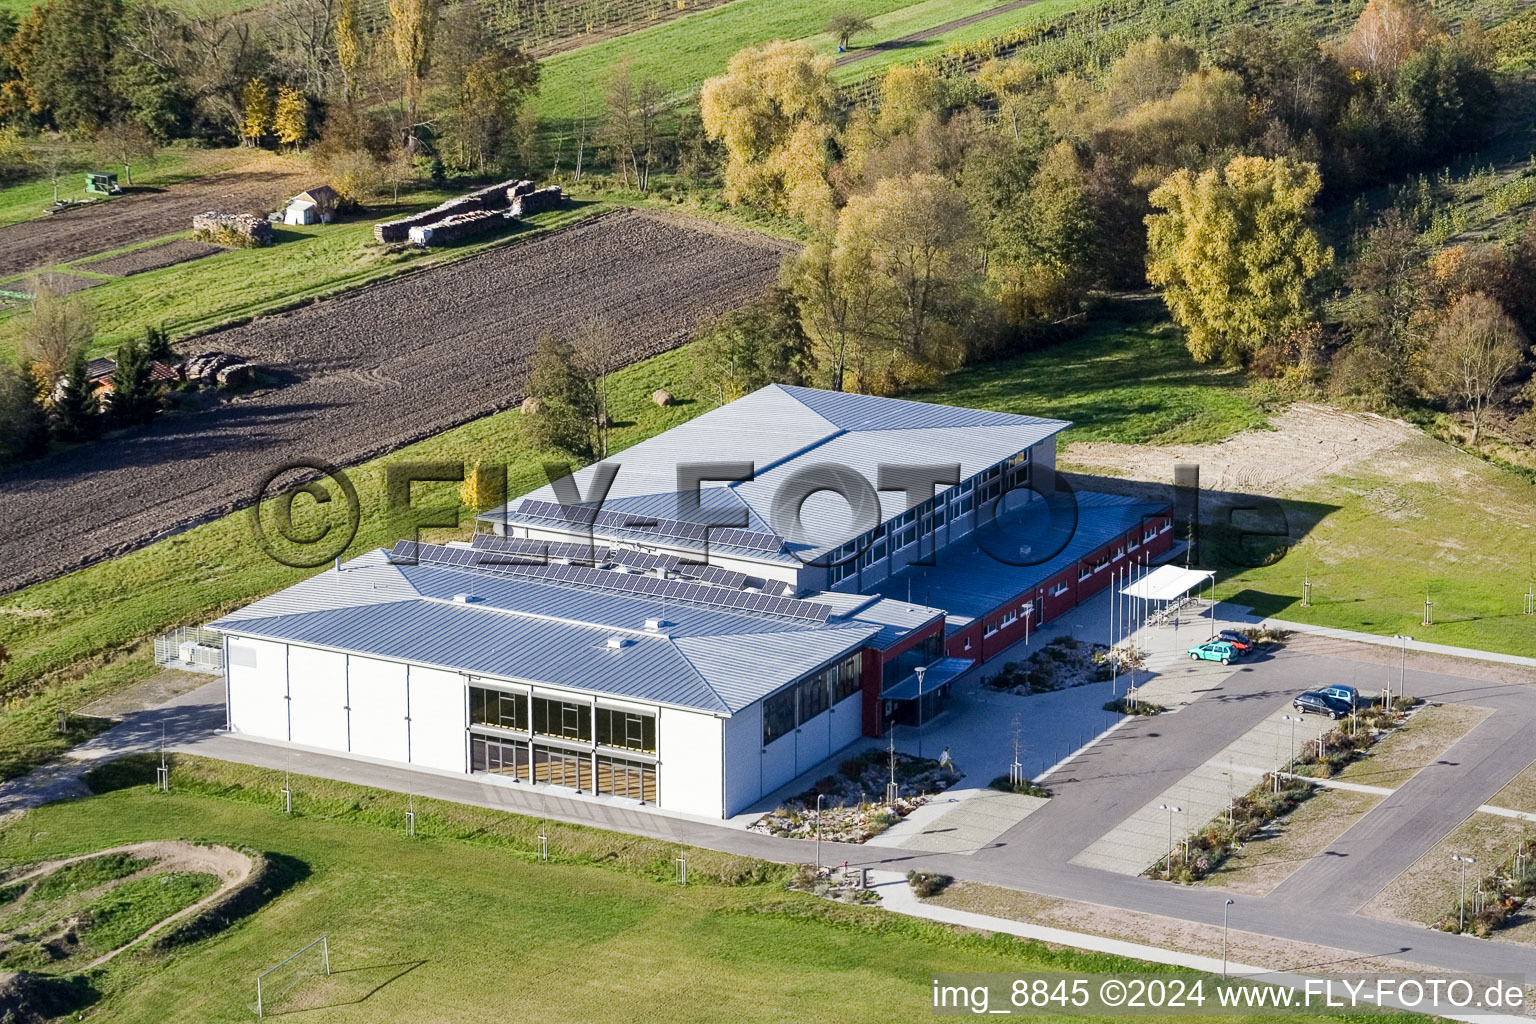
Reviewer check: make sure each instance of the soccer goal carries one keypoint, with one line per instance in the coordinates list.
(276, 986)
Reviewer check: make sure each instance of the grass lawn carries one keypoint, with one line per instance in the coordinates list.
(445, 930)
(1134, 384)
(305, 262)
(1427, 520)
(29, 200)
(1419, 742)
(1520, 794)
(1429, 889)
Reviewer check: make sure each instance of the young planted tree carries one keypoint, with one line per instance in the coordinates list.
(1474, 352)
(1235, 253)
(57, 330)
(124, 142)
(844, 25)
(290, 121)
(256, 112)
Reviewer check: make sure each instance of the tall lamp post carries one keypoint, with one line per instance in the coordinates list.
(1293, 719)
(920, 672)
(1461, 917)
(1172, 810)
(1224, 912)
(819, 797)
(1403, 672)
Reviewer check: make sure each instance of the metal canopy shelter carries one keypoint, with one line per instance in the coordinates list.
(1167, 583)
(925, 680)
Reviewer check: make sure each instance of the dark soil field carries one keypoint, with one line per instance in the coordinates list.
(56, 282)
(137, 217)
(152, 258)
(374, 369)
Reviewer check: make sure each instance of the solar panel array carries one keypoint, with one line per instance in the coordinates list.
(524, 550)
(674, 529)
(606, 579)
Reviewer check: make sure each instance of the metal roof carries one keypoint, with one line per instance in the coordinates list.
(785, 431)
(969, 581)
(896, 619)
(929, 678)
(546, 631)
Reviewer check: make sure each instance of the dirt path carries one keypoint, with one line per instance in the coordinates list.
(142, 215)
(375, 369)
(231, 867)
(865, 52)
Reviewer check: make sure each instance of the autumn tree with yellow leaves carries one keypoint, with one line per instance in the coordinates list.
(256, 116)
(290, 121)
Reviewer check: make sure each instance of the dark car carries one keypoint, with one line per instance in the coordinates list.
(1314, 703)
(1242, 642)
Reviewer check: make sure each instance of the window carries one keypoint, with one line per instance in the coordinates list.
(991, 627)
(563, 719)
(562, 767)
(626, 729)
(1133, 545)
(1167, 525)
(814, 697)
(1009, 618)
(497, 756)
(1119, 552)
(846, 677)
(498, 708)
(779, 715)
(1059, 589)
(1082, 572)
(633, 779)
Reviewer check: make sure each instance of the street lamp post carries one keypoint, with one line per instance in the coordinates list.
(1293, 719)
(1172, 810)
(1403, 672)
(1461, 917)
(920, 672)
(1224, 912)
(819, 797)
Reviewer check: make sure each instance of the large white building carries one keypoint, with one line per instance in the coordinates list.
(633, 650)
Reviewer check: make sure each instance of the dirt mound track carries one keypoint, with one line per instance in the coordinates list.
(375, 369)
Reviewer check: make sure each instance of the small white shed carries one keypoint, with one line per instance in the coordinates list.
(317, 205)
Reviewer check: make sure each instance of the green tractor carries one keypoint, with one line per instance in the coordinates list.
(101, 183)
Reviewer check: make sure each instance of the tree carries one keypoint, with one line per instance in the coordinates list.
(290, 121)
(837, 310)
(411, 25)
(750, 348)
(349, 38)
(1151, 69)
(1010, 83)
(135, 397)
(908, 93)
(482, 489)
(75, 408)
(256, 107)
(23, 425)
(1386, 34)
(489, 83)
(61, 56)
(125, 143)
(1385, 314)
(1235, 253)
(619, 128)
(569, 381)
(844, 25)
(1475, 350)
(54, 156)
(59, 327)
(755, 109)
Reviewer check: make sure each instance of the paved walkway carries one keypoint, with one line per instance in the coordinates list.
(960, 821)
(1417, 646)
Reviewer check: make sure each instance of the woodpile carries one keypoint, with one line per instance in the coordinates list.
(493, 197)
(537, 201)
(235, 229)
(499, 196)
(457, 227)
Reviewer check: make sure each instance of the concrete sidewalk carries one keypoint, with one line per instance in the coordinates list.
(1416, 646)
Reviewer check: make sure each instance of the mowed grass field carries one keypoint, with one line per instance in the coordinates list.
(29, 200)
(449, 930)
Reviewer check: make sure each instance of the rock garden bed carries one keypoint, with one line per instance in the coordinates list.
(853, 805)
(833, 882)
(1064, 662)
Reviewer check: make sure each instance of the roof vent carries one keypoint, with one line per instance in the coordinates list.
(656, 624)
(466, 599)
(661, 572)
(616, 643)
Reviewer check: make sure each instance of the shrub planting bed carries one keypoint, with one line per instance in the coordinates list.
(1062, 663)
(1496, 900)
(853, 805)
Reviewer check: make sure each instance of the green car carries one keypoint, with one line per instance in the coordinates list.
(1216, 650)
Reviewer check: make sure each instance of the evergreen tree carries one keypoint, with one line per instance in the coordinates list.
(135, 396)
(23, 427)
(75, 408)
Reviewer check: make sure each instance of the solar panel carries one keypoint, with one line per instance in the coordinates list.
(682, 590)
(675, 529)
(523, 550)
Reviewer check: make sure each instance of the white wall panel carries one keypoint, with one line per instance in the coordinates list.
(317, 691)
(743, 758)
(691, 778)
(847, 721)
(376, 691)
(438, 719)
(812, 743)
(257, 672)
(778, 762)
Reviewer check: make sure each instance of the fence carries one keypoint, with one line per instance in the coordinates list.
(191, 649)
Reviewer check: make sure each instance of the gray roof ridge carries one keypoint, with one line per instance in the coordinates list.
(683, 653)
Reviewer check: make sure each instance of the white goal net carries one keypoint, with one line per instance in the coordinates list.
(292, 984)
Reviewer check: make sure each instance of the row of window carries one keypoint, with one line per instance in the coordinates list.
(564, 719)
(798, 703)
(526, 761)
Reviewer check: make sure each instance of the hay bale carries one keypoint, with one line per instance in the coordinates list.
(663, 397)
(531, 406)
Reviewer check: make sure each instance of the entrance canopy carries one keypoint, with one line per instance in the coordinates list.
(1167, 583)
(940, 673)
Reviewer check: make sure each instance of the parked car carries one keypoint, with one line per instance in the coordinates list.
(1243, 643)
(1213, 650)
(1315, 703)
(1346, 695)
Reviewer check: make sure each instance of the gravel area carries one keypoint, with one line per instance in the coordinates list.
(156, 256)
(139, 216)
(374, 369)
